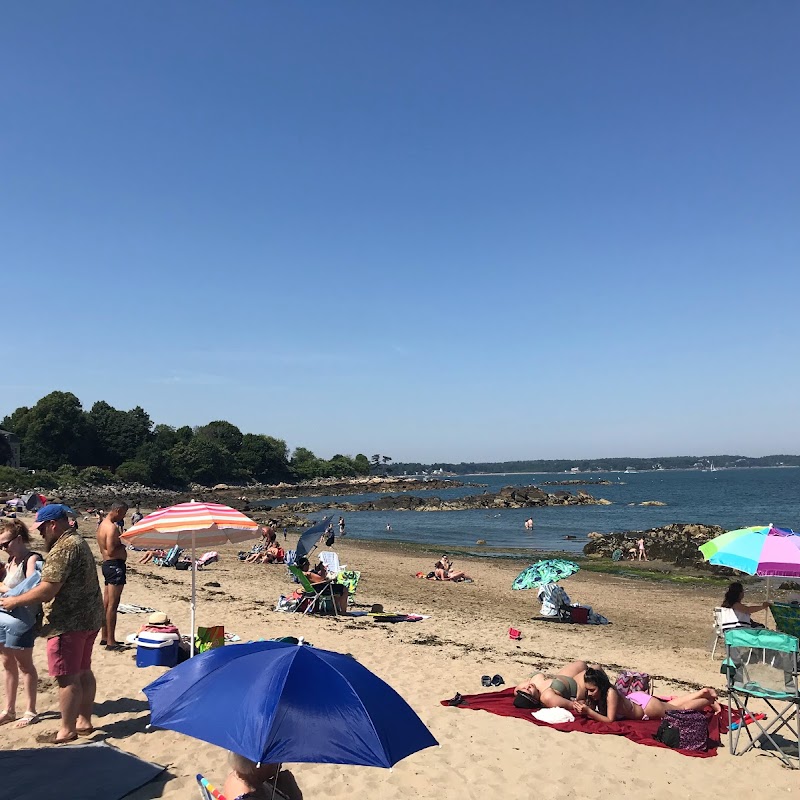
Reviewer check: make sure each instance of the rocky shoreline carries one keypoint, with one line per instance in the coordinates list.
(579, 482)
(507, 497)
(676, 544)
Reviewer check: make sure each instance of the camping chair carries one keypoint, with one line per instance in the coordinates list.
(787, 618)
(210, 792)
(555, 601)
(763, 664)
(718, 632)
(311, 594)
(171, 558)
(331, 562)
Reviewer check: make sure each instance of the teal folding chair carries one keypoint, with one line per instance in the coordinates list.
(763, 665)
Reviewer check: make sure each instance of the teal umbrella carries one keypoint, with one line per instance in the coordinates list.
(551, 570)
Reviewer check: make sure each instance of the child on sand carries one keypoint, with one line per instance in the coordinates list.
(605, 704)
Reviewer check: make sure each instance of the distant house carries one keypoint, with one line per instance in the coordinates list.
(13, 443)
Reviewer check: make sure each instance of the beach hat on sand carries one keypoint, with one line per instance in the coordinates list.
(377, 608)
(158, 618)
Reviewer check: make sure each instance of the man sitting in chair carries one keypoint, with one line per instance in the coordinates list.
(319, 582)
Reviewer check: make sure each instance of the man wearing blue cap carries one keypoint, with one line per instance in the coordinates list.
(74, 616)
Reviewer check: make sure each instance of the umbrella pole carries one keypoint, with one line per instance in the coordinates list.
(766, 610)
(194, 576)
(275, 782)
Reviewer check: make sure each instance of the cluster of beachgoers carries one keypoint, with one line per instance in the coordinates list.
(80, 622)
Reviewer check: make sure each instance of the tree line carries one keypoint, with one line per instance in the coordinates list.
(62, 442)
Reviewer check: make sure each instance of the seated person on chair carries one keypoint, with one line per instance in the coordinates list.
(248, 780)
(319, 583)
(735, 613)
(557, 691)
(605, 704)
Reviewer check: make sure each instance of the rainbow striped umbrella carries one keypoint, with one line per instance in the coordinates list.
(192, 523)
(766, 551)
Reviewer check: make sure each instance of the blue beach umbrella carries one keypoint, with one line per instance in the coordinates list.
(275, 702)
(308, 539)
(550, 570)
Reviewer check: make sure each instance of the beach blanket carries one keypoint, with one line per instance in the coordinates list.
(641, 731)
(90, 771)
(132, 608)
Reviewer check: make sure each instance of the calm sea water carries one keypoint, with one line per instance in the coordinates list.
(730, 498)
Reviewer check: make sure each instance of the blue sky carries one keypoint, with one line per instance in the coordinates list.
(440, 231)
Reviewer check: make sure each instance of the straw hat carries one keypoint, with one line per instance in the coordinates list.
(159, 618)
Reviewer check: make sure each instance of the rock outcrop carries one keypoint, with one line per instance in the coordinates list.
(677, 543)
(508, 497)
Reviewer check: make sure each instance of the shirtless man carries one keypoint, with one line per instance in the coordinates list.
(558, 691)
(113, 553)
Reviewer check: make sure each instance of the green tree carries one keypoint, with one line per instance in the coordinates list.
(223, 433)
(264, 458)
(56, 432)
(201, 461)
(341, 467)
(305, 464)
(16, 422)
(361, 464)
(118, 434)
(185, 434)
(134, 472)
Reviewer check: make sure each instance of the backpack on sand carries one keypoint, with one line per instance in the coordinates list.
(684, 730)
(630, 681)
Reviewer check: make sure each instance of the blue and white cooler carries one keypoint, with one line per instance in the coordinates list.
(156, 649)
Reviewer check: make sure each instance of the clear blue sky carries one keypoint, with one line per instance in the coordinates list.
(448, 230)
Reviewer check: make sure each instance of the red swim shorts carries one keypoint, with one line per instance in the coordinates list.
(70, 653)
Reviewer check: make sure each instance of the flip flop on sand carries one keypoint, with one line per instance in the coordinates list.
(84, 731)
(486, 680)
(28, 718)
(117, 647)
(7, 717)
(52, 738)
(456, 701)
(497, 680)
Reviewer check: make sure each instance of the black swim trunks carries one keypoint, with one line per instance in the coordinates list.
(114, 571)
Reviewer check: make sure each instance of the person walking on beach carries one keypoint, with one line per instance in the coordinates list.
(73, 618)
(136, 517)
(341, 526)
(642, 553)
(114, 556)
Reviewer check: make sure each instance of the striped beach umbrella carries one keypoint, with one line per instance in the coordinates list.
(550, 570)
(194, 524)
(765, 551)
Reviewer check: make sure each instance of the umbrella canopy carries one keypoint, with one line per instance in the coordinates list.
(765, 551)
(309, 538)
(550, 570)
(192, 524)
(274, 702)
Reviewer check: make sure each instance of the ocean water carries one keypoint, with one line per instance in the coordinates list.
(730, 498)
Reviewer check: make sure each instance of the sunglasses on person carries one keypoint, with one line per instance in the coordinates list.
(4, 545)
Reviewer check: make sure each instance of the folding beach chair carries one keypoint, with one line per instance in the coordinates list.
(171, 558)
(331, 562)
(763, 665)
(313, 594)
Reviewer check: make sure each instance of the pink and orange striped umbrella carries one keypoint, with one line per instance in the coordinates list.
(186, 524)
(192, 524)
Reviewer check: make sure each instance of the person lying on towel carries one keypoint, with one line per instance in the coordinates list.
(553, 691)
(605, 704)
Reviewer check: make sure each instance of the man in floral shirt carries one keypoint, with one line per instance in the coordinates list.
(73, 616)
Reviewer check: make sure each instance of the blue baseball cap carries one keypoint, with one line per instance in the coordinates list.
(50, 512)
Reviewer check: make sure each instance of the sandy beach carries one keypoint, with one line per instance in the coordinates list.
(659, 628)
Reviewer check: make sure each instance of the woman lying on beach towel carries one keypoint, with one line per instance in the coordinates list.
(556, 691)
(605, 704)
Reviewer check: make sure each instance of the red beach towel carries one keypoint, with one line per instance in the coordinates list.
(640, 731)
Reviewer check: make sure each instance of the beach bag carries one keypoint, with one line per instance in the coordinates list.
(684, 730)
(630, 681)
(208, 638)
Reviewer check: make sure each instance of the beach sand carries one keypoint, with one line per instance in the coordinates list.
(659, 628)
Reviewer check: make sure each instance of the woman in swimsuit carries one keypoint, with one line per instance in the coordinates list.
(605, 704)
(553, 692)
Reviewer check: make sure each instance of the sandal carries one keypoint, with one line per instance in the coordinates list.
(497, 680)
(8, 716)
(84, 731)
(52, 738)
(28, 718)
(117, 647)
(456, 701)
(486, 680)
